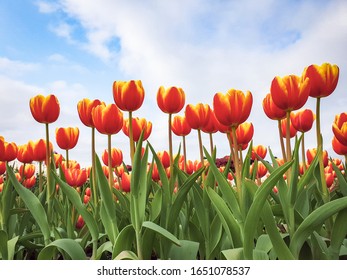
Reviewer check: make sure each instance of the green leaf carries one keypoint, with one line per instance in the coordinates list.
(338, 234)
(11, 245)
(233, 254)
(229, 223)
(124, 241)
(104, 247)
(126, 255)
(163, 232)
(33, 204)
(255, 210)
(341, 179)
(3, 245)
(314, 221)
(70, 246)
(187, 251)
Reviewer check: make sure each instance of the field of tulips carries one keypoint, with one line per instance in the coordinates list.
(162, 205)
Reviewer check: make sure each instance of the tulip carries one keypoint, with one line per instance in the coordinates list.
(340, 128)
(211, 127)
(80, 222)
(25, 153)
(292, 129)
(2, 145)
(29, 182)
(39, 150)
(67, 139)
(126, 179)
(338, 147)
(75, 177)
(271, 110)
(116, 157)
(258, 150)
(311, 153)
(10, 152)
(139, 125)
(244, 133)
(302, 120)
(2, 167)
(129, 97)
(45, 109)
(164, 158)
(27, 170)
(170, 100)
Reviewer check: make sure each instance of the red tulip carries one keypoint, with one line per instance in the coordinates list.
(340, 128)
(10, 152)
(302, 120)
(85, 108)
(79, 222)
(244, 133)
(311, 153)
(271, 110)
(293, 131)
(259, 150)
(116, 156)
(198, 115)
(170, 100)
(2, 168)
(164, 158)
(75, 177)
(139, 125)
(25, 153)
(107, 119)
(45, 109)
(2, 145)
(213, 124)
(323, 79)
(126, 179)
(290, 92)
(29, 182)
(67, 137)
(27, 170)
(39, 150)
(338, 147)
(129, 95)
(180, 126)
(232, 108)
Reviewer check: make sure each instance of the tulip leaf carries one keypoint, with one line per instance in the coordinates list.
(124, 240)
(70, 246)
(126, 255)
(163, 232)
(32, 202)
(3, 245)
(187, 251)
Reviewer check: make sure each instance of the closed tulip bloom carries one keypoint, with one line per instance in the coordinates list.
(293, 131)
(311, 153)
(232, 108)
(259, 150)
(2, 145)
(338, 147)
(85, 108)
(107, 119)
(180, 126)
(129, 95)
(2, 168)
(75, 177)
(302, 120)
(27, 170)
(164, 158)
(126, 179)
(39, 150)
(197, 115)
(29, 182)
(139, 125)
(340, 128)
(291, 92)
(244, 133)
(213, 124)
(323, 79)
(271, 109)
(170, 100)
(10, 152)
(25, 153)
(67, 137)
(116, 157)
(45, 109)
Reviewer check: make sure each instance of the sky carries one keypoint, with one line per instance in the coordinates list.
(76, 49)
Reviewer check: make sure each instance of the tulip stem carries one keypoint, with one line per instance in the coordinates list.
(201, 152)
(48, 184)
(131, 137)
(40, 177)
(303, 152)
(184, 153)
(288, 146)
(67, 159)
(110, 171)
(281, 141)
(95, 189)
(236, 163)
(211, 143)
(325, 191)
(170, 144)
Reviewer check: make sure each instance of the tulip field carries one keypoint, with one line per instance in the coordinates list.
(248, 205)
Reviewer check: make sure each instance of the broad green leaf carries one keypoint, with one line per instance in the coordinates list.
(156, 205)
(233, 254)
(338, 234)
(341, 179)
(187, 251)
(255, 210)
(163, 232)
(11, 245)
(3, 245)
(70, 246)
(260, 255)
(104, 247)
(33, 204)
(315, 220)
(229, 223)
(124, 241)
(126, 255)
(264, 243)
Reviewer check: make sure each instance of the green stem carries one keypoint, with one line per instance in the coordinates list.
(201, 150)
(49, 186)
(170, 144)
(67, 159)
(40, 177)
(110, 170)
(288, 146)
(211, 143)
(94, 187)
(131, 137)
(236, 163)
(184, 153)
(281, 141)
(303, 152)
(325, 191)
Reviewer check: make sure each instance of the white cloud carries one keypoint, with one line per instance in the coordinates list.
(47, 7)
(15, 67)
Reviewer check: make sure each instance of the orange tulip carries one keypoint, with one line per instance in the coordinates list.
(72, 164)
(213, 124)
(170, 100)
(39, 150)
(323, 79)
(10, 152)
(2, 145)
(338, 147)
(164, 158)
(302, 120)
(197, 115)
(2, 167)
(293, 131)
(67, 137)
(244, 133)
(271, 110)
(116, 157)
(75, 177)
(259, 150)
(45, 109)
(232, 108)
(126, 179)
(139, 125)
(340, 128)
(107, 119)
(25, 153)
(311, 153)
(85, 108)
(29, 182)
(290, 92)
(180, 126)
(27, 170)
(129, 95)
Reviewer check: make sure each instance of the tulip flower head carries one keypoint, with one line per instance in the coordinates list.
(85, 108)
(180, 126)
(10, 152)
(198, 115)
(340, 128)
(67, 137)
(45, 109)
(108, 119)
(170, 100)
(271, 110)
(139, 125)
(302, 120)
(116, 157)
(128, 96)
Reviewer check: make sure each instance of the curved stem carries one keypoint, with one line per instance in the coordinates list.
(94, 187)
(303, 152)
(110, 171)
(211, 143)
(184, 153)
(131, 137)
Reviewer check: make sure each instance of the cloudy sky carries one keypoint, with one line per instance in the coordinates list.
(77, 48)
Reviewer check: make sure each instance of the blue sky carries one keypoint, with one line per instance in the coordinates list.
(77, 48)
